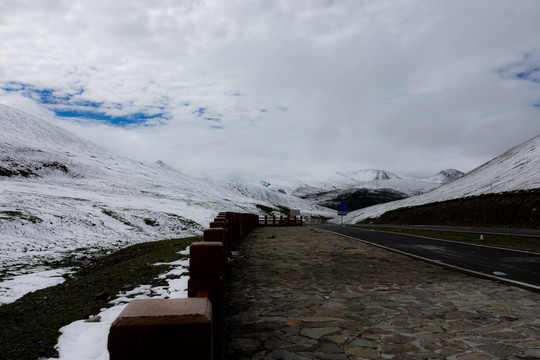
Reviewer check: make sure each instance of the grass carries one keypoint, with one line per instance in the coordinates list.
(528, 243)
(29, 327)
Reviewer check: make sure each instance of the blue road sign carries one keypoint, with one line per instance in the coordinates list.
(342, 209)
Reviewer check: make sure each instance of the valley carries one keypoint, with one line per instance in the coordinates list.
(65, 200)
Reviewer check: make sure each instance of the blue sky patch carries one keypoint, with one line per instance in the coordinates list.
(64, 105)
(531, 74)
(526, 70)
(200, 111)
(131, 119)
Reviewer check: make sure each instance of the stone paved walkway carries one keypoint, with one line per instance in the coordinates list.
(299, 293)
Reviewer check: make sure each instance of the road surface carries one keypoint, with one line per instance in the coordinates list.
(514, 266)
(476, 230)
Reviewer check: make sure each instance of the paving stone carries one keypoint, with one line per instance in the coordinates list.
(447, 352)
(398, 339)
(456, 344)
(364, 343)
(474, 356)
(454, 315)
(364, 352)
(504, 335)
(330, 348)
(462, 326)
(246, 344)
(499, 350)
(303, 341)
(338, 339)
(399, 348)
(276, 343)
(281, 354)
(317, 333)
(295, 294)
(534, 353)
(433, 329)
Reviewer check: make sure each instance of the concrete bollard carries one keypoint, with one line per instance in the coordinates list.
(206, 270)
(216, 235)
(163, 329)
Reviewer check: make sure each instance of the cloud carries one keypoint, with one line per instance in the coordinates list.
(259, 86)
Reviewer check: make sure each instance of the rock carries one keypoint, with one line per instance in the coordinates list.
(93, 319)
(103, 296)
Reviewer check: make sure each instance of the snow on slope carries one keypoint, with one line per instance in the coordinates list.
(444, 176)
(368, 179)
(516, 169)
(61, 195)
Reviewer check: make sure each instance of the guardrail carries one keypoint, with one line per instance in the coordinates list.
(281, 221)
(189, 328)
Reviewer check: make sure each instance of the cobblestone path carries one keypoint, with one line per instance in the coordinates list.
(299, 293)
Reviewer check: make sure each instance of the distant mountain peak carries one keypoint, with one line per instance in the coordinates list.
(445, 176)
(369, 175)
(164, 165)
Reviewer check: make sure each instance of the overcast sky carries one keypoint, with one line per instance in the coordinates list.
(281, 87)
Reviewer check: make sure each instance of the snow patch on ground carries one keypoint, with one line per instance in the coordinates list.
(87, 340)
(15, 287)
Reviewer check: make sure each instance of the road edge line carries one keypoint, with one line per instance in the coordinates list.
(443, 264)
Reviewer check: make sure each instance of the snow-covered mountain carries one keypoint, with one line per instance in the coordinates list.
(360, 179)
(358, 189)
(444, 176)
(63, 195)
(516, 169)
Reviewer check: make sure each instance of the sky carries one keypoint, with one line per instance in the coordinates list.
(280, 87)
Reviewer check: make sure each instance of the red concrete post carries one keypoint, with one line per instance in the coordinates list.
(217, 224)
(216, 235)
(206, 270)
(162, 329)
(206, 259)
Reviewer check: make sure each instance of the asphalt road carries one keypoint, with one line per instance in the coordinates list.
(476, 230)
(514, 266)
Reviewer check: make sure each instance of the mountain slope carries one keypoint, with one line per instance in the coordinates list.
(373, 179)
(358, 189)
(62, 195)
(516, 169)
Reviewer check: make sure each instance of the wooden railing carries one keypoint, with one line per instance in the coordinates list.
(189, 328)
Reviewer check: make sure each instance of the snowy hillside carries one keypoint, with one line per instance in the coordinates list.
(516, 169)
(349, 181)
(444, 176)
(61, 195)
